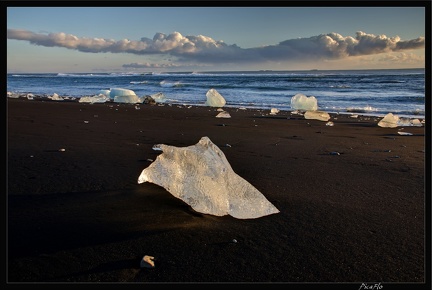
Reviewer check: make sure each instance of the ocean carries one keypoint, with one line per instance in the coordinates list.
(366, 92)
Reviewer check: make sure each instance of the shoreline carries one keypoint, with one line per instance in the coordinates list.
(79, 215)
(67, 99)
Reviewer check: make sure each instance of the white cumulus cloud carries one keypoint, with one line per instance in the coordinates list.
(205, 49)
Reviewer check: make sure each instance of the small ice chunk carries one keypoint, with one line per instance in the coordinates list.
(389, 121)
(147, 262)
(201, 176)
(405, 133)
(105, 92)
(408, 122)
(12, 95)
(304, 103)
(101, 98)
(157, 147)
(416, 123)
(223, 114)
(158, 97)
(317, 115)
(214, 99)
(55, 97)
(274, 111)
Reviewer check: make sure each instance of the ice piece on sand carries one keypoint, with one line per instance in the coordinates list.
(105, 92)
(223, 114)
(131, 99)
(304, 103)
(101, 98)
(214, 99)
(405, 133)
(158, 97)
(317, 115)
(389, 121)
(147, 262)
(201, 176)
(274, 111)
(13, 95)
(120, 95)
(408, 122)
(55, 97)
(416, 122)
(120, 92)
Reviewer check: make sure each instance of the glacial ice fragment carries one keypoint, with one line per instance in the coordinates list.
(274, 111)
(214, 99)
(201, 176)
(223, 114)
(105, 92)
(131, 99)
(147, 262)
(55, 97)
(317, 115)
(389, 121)
(304, 103)
(408, 122)
(101, 98)
(405, 133)
(13, 95)
(120, 92)
(158, 97)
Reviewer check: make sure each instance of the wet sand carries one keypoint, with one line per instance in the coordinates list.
(351, 197)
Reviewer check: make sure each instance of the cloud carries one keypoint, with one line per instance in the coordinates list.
(137, 65)
(149, 65)
(205, 49)
(407, 58)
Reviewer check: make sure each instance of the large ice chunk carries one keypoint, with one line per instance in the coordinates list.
(304, 103)
(120, 92)
(201, 176)
(214, 99)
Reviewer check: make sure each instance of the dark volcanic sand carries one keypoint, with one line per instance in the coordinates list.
(81, 216)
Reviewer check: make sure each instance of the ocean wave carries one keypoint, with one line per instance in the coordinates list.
(138, 82)
(366, 109)
(165, 83)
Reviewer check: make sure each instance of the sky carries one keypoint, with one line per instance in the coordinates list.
(170, 39)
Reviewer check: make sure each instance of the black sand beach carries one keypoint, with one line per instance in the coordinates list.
(79, 215)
